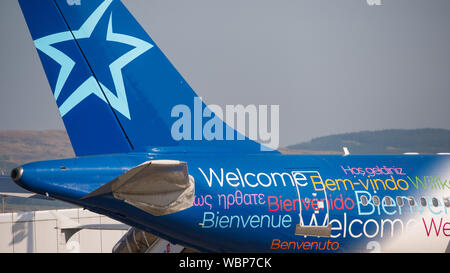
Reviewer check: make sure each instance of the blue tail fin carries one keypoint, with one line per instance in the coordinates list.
(114, 87)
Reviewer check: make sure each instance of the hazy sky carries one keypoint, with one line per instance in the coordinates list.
(333, 66)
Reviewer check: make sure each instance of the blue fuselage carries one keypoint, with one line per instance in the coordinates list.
(253, 203)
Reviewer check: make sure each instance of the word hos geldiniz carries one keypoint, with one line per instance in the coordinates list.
(372, 171)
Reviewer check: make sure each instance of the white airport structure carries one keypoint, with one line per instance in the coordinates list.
(73, 231)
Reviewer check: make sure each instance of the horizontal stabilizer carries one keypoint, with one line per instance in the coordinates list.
(158, 187)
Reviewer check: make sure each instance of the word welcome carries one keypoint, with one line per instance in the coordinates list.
(339, 203)
(345, 226)
(444, 226)
(372, 171)
(261, 179)
(305, 245)
(398, 205)
(373, 184)
(238, 198)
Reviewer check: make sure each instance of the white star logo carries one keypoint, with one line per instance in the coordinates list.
(91, 85)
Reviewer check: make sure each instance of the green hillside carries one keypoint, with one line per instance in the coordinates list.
(382, 142)
(19, 147)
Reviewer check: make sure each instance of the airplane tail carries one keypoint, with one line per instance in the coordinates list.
(114, 87)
